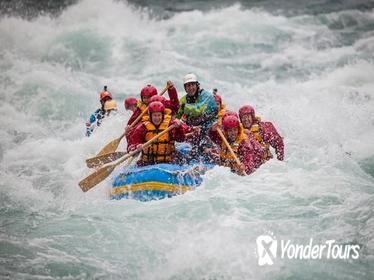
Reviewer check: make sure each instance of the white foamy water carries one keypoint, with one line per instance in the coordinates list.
(312, 76)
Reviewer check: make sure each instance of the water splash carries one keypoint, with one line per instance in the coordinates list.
(309, 74)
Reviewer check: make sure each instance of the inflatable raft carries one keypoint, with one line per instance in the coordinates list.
(157, 181)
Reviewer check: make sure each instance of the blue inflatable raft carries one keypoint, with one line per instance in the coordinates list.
(159, 181)
(155, 182)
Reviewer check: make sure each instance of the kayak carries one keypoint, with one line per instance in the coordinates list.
(159, 181)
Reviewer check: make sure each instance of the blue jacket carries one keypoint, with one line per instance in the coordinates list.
(94, 120)
(200, 109)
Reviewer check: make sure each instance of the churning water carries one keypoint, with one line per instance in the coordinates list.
(311, 74)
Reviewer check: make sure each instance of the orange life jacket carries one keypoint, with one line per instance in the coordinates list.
(163, 148)
(225, 156)
(255, 130)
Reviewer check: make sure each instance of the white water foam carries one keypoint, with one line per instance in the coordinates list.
(313, 81)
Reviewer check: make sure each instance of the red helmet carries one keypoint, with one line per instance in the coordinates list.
(105, 94)
(156, 106)
(230, 113)
(218, 98)
(148, 91)
(230, 122)
(129, 101)
(247, 109)
(158, 98)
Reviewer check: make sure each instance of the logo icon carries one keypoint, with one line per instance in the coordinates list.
(266, 249)
(267, 246)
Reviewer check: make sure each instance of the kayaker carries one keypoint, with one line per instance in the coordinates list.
(163, 150)
(264, 132)
(239, 143)
(96, 117)
(197, 108)
(131, 103)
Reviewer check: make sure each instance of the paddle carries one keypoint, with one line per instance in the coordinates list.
(99, 175)
(103, 159)
(230, 149)
(113, 145)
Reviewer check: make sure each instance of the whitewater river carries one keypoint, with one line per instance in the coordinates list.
(310, 72)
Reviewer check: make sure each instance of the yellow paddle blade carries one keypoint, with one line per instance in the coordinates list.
(103, 159)
(99, 175)
(96, 177)
(111, 146)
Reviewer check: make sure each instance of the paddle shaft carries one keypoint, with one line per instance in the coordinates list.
(230, 149)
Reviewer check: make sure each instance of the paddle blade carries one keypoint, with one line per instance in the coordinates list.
(110, 147)
(103, 159)
(96, 177)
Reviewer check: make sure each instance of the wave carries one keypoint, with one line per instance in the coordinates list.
(310, 74)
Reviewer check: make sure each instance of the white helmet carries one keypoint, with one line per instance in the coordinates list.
(189, 78)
